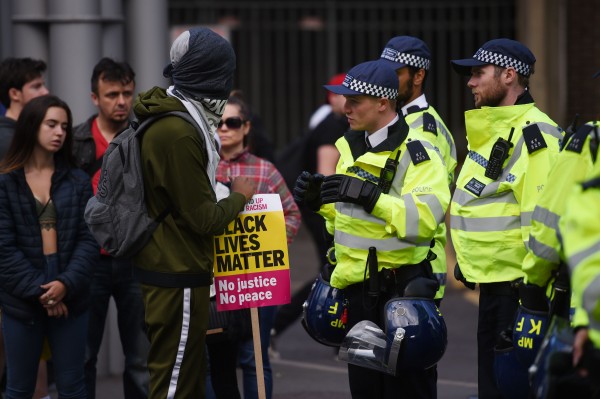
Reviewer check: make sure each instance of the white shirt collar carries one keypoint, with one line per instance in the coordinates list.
(420, 102)
(377, 137)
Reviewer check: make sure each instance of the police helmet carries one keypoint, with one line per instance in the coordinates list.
(557, 343)
(528, 334)
(415, 338)
(325, 313)
(510, 374)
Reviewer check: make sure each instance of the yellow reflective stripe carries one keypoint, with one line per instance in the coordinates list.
(543, 251)
(483, 224)
(546, 217)
(463, 198)
(385, 244)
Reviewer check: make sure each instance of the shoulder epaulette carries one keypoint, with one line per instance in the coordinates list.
(533, 138)
(417, 152)
(594, 183)
(429, 123)
(577, 141)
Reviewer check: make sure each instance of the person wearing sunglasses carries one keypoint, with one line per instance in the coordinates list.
(236, 160)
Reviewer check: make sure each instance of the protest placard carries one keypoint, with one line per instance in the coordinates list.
(251, 257)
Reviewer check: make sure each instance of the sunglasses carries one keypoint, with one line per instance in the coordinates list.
(232, 123)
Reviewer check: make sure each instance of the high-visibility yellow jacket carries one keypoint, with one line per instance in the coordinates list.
(403, 222)
(428, 123)
(490, 219)
(581, 241)
(573, 165)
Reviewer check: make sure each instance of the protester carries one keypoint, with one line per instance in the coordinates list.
(179, 163)
(236, 160)
(48, 255)
(112, 87)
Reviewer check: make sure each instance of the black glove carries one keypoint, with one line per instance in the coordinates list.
(533, 297)
(307, 190)
(459, 276)
(342, 188)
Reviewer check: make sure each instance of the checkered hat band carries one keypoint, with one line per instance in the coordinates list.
(405, 58)
(502, 60)
(369, 89)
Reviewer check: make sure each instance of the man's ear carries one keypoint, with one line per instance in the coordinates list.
(510, 75)
(419, 77)
(14, 95)
(94, 97)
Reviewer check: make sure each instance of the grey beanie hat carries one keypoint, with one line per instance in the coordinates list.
(202, 64)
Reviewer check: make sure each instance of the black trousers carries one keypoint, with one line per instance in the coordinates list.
(496, 313)
(371, 384)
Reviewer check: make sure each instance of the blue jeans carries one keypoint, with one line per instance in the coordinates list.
(114, 277)
(23, 346)
(246, 355)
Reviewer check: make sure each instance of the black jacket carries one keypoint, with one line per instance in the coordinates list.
(7, 131)
(22, 261)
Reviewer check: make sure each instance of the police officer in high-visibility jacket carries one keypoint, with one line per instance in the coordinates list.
(581, 241)
(389, 194)
(410, 57)
(545, 264)
(512, 145)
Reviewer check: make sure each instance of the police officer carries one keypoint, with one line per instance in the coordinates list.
(581, 239)
(512, 145)
(389, 193)
(411, 59)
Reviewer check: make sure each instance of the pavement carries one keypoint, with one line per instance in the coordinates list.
(306, 369)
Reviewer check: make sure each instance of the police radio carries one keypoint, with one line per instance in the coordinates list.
(498, 155)
(388, 172)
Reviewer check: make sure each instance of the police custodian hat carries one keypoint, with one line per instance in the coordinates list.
(502, 52)
(401, 51)
(372, 78)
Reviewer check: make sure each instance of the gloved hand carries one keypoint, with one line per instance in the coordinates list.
(307, 190)
(342, 188)
(459, 276)
(533, 297)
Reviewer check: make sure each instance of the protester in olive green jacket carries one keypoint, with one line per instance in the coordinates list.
(178, 163)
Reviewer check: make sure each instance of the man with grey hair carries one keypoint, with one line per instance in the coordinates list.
(179, 162)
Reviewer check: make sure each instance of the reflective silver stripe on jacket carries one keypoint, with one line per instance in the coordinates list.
(543, 251)
(546, 217)
(384, 244)
(483, 224)
(575, 259)
(463, 198)
(591, 295)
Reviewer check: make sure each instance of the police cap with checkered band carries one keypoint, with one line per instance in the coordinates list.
(371, 78)
(502, 52)
(403, 51)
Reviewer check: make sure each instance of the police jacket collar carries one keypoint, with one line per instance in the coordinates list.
(396, 135)
(524, 98)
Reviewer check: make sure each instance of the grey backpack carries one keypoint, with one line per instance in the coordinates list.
(117, 215)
